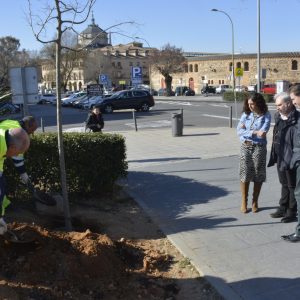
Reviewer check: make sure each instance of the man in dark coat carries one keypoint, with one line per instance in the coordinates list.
(281, 153)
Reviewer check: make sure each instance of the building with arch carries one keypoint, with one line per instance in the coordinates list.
(99, 57)
(215, 69)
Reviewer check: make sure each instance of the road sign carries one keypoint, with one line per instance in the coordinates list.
(94, 89)
(136, 75)
(103, 78)
(239, 72)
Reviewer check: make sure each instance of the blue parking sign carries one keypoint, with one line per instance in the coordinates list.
(136, 75)
(103, 79)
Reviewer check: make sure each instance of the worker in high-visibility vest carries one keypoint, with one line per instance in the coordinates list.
(13, 142)
(29, 124)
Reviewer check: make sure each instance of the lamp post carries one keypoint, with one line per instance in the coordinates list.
(149, 67)
(258, 47)
(232, 69)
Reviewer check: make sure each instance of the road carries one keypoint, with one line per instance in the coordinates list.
(197, 111)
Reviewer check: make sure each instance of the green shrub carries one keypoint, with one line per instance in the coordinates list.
(93, 163)
(241, 96)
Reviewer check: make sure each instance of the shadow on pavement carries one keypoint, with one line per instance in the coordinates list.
(170, 199)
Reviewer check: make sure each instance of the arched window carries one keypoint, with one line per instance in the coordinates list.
(196, 68)
(294, 65)
(186, 68)
(238, 65)
(230, 67)
(191, 68)
(246, 66)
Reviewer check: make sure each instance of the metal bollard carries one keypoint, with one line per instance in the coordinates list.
(230, 116)
(177, 124)
(134, 120)
(42, 125)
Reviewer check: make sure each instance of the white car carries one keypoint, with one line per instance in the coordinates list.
(91, 102)
(223, 88)
(47, 98)
(68, 100)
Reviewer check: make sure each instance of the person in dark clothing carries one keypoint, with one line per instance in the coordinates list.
(95, 120)
(294, 92)
(286, 119)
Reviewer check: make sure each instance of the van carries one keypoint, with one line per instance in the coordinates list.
(222, 88)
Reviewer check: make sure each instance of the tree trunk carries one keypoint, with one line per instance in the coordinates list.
(59, 125)
(168, 82)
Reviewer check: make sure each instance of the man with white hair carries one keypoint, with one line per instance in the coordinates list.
(12, 143)
(286, 119)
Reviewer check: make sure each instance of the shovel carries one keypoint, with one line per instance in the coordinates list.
(40, 196)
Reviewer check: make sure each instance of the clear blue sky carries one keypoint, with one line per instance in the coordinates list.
(189, 25)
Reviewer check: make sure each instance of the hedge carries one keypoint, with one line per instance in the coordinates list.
(241, 96)
(93, 163)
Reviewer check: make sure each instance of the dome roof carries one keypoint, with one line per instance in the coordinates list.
(92, 29)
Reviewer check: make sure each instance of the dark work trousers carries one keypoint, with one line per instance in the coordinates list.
(287, 202)
(297, 195)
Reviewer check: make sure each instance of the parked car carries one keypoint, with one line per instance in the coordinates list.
(209, 89)
(269, 89)
(163, 92)
(241, 88)
(251, 88)
(136, 99)
(189, 92)
(47, 98)
(223, 88)
(180, 90)
(89, 103)
(68, 100)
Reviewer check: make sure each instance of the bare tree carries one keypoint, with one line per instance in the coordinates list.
(167, 61)
(8, 52)
(65, 14)
(70, 56)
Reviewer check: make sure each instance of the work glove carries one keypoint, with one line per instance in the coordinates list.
(3, 226)
(25, 178)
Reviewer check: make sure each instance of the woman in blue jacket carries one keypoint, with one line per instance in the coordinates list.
(252, 131)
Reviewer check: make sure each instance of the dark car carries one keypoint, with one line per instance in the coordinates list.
(209, 89)
(127, 99)
(163, 92)
(189, 92)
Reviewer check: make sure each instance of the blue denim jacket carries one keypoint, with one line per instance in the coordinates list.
(253, 123)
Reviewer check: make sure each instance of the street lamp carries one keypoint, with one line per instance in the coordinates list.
(149, 67)
(232, 69)
(258, 47)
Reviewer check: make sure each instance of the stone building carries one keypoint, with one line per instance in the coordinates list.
(202, 69)
(100, 57)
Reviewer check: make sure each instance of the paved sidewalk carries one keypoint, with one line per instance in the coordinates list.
(189, 185)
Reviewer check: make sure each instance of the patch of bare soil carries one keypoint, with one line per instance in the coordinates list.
(114, 252)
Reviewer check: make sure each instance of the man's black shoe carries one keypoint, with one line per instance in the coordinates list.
(288, 219)
(293, 238)
(277, 214)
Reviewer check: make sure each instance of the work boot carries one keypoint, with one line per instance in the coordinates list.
(244, 190)
(256, 192)
(279, 213)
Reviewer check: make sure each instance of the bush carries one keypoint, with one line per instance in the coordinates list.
(93, 163)
(241, 96)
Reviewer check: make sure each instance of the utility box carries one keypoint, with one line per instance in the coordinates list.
(282, 86)
(177, 124)
(24, 85)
